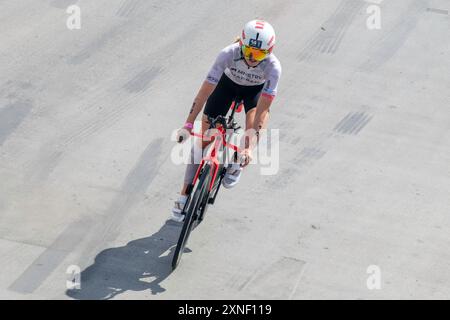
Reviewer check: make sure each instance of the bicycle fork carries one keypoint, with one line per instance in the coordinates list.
(212, 199)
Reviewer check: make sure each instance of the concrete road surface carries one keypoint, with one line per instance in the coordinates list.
(358, 208)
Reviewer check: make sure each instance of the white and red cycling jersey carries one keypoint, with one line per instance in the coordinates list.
(231, 62)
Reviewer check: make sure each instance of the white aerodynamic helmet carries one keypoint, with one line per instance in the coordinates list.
(258, 34)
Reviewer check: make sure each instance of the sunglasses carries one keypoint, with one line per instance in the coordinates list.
(254, 53)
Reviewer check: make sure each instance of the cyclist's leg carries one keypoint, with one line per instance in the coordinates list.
(250, 103)
(250, 95)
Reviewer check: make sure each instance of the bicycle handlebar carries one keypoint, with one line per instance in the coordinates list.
(199, 135)
(222, 120)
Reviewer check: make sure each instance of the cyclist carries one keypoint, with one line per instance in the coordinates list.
(246, 69)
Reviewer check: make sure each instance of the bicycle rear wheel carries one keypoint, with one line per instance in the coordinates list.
(193, 213)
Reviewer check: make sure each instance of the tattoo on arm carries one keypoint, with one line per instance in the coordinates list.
(192, 109)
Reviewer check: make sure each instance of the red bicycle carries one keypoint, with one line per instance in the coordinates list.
(203, 190)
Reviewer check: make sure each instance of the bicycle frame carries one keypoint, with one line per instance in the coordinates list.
(212, 153)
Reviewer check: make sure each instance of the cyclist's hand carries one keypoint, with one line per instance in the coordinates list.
(183, 134)
(246, 157)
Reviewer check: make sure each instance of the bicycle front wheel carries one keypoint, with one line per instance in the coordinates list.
(192, 213)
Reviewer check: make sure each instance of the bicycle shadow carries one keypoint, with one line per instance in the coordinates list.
(140, 265)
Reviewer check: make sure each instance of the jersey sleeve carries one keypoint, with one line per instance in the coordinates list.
(273, 74)
(219, 66)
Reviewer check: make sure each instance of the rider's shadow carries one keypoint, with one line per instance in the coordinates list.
(140, 265)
